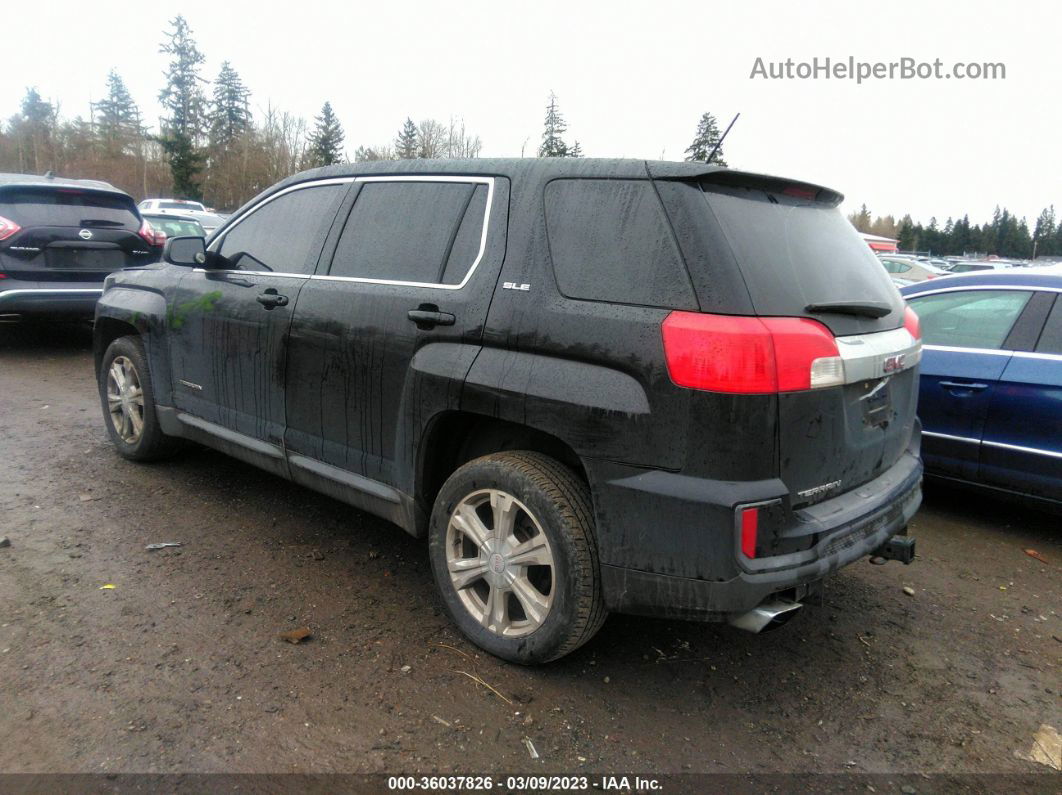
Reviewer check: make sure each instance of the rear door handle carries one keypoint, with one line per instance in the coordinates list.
(270, 300)
(428, 316)
(964, 387)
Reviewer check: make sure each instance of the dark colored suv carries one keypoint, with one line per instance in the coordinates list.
(59, 238)
(594, 385)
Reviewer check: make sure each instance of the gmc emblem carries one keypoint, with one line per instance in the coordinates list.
(893, 363)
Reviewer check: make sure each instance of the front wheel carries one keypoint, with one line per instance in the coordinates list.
(129, 403)
(514, 556)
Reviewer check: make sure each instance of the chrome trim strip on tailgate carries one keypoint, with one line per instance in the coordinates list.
(868, 357)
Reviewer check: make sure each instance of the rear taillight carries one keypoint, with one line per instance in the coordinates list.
(910, 322)
(151, 236)
(7, 228)
(750, 355)
(750, 525)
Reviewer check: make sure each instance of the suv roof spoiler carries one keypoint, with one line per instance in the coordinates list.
(718, 175)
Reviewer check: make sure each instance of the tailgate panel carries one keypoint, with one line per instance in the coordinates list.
(99, 259)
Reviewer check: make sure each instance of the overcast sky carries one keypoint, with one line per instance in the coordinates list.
(632, 80)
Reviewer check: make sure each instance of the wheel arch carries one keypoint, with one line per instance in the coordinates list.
(454, 438)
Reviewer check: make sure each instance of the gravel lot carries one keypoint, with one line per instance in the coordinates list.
(179, 668)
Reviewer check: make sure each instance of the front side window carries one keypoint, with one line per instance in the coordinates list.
(409, 231)
(285, 234)
(969, 318)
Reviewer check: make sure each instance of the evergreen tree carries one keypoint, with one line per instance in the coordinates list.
(860, 220)
(576, 150)
(326, 141)
(230, 113)
(406, 145)
(34, 130)
(908, 238)
(1044, 232)
(553, 144)
(705, 141)
(182, 97)
(117, 117)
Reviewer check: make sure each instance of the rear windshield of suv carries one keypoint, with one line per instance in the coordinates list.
(794, 252)
(68, 207)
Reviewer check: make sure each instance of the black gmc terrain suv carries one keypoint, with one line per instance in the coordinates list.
(594, 385)
(59, 238)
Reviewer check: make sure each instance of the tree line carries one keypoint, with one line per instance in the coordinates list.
(209, 145)
(1005, 235)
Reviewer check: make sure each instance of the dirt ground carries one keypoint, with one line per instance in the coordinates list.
(178, 668)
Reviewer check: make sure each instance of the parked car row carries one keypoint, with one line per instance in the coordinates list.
(209, 219)
(59, 238)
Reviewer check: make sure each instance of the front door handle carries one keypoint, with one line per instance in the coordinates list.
(270, 300)
(963, 387)
(428, 316)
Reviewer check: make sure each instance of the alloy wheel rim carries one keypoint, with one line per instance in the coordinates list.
(500, 563)
(125, 400)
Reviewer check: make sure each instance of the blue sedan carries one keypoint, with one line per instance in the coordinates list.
(990, 396)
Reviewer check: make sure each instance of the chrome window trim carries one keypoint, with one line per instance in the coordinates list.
(488, 181)
(1050, 357)
(1021, 287)
(1021, 449)
(938, 435)
(60, 291)
(958, 349)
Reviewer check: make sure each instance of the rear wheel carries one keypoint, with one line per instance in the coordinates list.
(514, 556)
(129, 403)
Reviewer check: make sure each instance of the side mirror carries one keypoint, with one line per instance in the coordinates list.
(189, 251)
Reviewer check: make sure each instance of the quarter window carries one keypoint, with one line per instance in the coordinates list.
(970, 318)
(610, 241)
(285, 234)
(424, 232)
(1051, 337)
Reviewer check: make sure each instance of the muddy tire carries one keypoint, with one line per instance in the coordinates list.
(514, 555)
(128, 403)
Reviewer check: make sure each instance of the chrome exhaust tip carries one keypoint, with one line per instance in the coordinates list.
(769, 615)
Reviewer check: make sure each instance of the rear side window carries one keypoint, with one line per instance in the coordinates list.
(969, 318)
(1051, 337)
(285, 234)
(896, 266)
(68, 207)
(610, 241)
(424, 232)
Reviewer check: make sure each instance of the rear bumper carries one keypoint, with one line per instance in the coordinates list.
(23, 300)
(851, 526)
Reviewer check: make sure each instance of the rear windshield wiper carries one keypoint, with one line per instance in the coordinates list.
(100, 222)
(860, 308)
